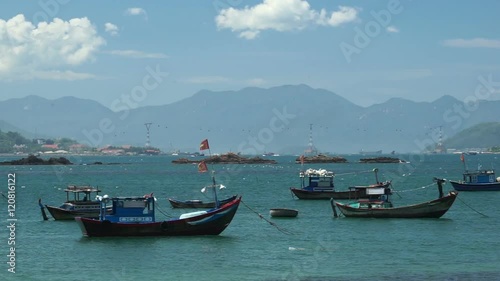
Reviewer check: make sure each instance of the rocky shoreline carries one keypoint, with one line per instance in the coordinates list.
(320, 158)
(229, 158)
(33, 160)
(381, 160)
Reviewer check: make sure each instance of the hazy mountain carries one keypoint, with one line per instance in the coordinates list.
(255, 120)
(63, 117)
(479, 136)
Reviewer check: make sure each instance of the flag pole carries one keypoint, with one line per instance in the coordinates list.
(214, 185)
(462, 157)
(213, 181)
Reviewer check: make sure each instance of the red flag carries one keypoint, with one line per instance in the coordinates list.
(202, 167)
(462, 158)
(204, 145)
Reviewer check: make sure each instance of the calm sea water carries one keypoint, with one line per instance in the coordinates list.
(462, 245)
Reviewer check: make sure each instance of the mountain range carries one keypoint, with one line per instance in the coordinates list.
(252, 121)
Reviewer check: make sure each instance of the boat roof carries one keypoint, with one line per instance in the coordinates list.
(317, 173)
(129, 198)
(81, 188)
(480, 172)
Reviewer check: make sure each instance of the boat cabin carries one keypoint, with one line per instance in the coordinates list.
(377, 198)
(320, 180)
(80, 193)
(484, 176)
(128, 209)
(81, 198)
(371, 204)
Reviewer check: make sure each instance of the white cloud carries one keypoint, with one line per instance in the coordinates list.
(472, 43)
(343, 15)
(136, 12)
(137, 54)
(256, 81)
(392, 29)
(280, 15)
(61, 75)
(111, 28)
(25, 48)
(206, 80)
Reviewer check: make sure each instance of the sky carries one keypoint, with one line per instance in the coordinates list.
(158, 52)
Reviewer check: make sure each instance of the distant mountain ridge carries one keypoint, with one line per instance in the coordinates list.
(483, 135)
(253, 120)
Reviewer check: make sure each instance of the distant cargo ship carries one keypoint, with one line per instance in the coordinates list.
(362, 152)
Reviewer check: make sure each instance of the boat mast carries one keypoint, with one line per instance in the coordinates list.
(214, 184)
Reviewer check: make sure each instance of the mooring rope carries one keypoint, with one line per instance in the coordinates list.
(3, 195)
(418, 188)
(163, 213)
(472, 208)
(270, 222)
(355, 173)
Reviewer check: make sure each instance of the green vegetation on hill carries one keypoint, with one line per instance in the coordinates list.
(480, 135)
(10, 140)
(14, 142)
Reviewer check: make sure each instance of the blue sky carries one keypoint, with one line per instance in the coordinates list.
(163, 51)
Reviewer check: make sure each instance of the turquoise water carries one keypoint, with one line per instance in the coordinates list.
(463, 245)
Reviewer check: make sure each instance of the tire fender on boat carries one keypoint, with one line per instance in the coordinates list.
(106, 223)
(164, 226)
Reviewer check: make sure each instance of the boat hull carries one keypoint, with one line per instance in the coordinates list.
(459, 186)
(212, 222)
(62, 214)
(324, 195)
(431, 209)
(356, 193)
(198, 204)
(282, 212)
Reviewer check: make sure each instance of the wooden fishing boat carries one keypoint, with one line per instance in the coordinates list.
(198, 203)
(319, 184)
(283, 212)
(480, 180)
(80, 205)
(380, 206)
(135, 216)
